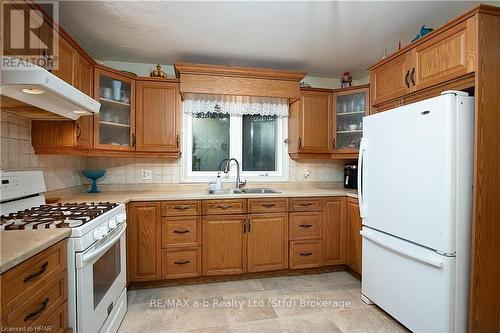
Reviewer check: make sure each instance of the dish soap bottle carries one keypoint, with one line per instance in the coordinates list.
(218, 182)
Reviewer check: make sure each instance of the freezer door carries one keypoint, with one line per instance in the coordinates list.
(413, 284)
(414, 161)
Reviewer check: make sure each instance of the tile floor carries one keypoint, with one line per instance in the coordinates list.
(328, 302)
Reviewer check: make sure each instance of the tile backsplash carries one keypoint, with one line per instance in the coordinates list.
(60, 171)
(63, 171)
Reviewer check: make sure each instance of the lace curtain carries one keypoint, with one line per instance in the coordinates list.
(200, 104)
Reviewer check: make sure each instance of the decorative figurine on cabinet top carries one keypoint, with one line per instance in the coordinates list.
(423, 31)
(346, 80)
(158, 73)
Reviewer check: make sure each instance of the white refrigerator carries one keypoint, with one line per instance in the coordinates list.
(415, 194)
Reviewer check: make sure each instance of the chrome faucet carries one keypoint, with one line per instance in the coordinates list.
(227, 168)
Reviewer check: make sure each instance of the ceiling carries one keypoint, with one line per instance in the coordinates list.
(321, 38)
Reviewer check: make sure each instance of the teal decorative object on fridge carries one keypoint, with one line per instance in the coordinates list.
(93, 175)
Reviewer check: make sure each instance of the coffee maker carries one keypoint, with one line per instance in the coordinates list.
(351, 176)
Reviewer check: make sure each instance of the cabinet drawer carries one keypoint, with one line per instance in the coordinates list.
(181, 263)
(180, 231)
(305, 225)
(22, 281)
(180, 208)
(305, 204)
(58, 322)
(305, 254)
(230, 206)
(40, 306)
(267, 205)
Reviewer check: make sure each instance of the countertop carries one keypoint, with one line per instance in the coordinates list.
(127, 195)
(17, 246)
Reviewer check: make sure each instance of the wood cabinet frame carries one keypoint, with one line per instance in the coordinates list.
(342, 92)
(101, 70)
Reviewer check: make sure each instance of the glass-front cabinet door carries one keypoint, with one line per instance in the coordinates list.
(350, 106)
(114, 126)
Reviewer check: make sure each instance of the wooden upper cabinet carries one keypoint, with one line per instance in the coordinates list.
(334, 231)
(114, 126)
(267, 242)
(144, 242)
(316, 121)
(354, 225)
(442, 57)
(84, 76)
(349, 107)
(66, 62)
(445, 56)
(310, 123)
(390, 80)
(85, 83)
(157, 116)
(224, 244)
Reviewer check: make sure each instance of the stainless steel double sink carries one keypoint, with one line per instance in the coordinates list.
(244, 191)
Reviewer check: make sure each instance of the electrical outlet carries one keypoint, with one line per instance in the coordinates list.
(307, 173)
(147, 174)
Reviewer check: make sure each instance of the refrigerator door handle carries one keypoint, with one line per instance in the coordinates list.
(401, 251)
(362, 208)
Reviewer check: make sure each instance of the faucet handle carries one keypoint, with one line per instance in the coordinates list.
(243, 183)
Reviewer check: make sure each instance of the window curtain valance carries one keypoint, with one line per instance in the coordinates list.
(200, 104)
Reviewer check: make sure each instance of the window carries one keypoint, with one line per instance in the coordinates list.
(256, 141)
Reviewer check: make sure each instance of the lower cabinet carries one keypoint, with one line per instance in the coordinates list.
(245, 243)
(180, 263)
(334, 231)
(267, 241)
(144, 242)
(306, 253)
(224, 244)
(179, 239)
(353, 237)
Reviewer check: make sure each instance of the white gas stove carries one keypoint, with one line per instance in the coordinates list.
(96, 247)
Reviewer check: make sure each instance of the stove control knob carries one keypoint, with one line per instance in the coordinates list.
(112, 224)
(98, 234)
(103, 230)
(120, 218)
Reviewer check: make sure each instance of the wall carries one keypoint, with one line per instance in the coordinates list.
(144, 70)
(128, 170)
(17, 154)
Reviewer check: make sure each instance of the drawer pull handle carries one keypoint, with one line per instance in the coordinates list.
(306, 204)
(181, 207)
(269, 205)
(305, 254)
(35, 313)
(181, 231)
(42, 270)
(305, 225)
(224, 206)
(183, 262)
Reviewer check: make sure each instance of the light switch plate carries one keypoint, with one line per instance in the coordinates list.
(146, 174)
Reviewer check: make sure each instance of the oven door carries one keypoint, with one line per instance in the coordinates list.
(100, 280)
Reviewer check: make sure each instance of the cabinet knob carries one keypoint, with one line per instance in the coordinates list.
(305, 254)
(412, 76)
(181, 262)
(406, 79)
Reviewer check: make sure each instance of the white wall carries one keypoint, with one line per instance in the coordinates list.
(144, 70)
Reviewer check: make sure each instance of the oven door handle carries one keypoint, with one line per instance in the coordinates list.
(92, 254)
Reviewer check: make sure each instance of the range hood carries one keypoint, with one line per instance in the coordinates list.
(34, 85)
